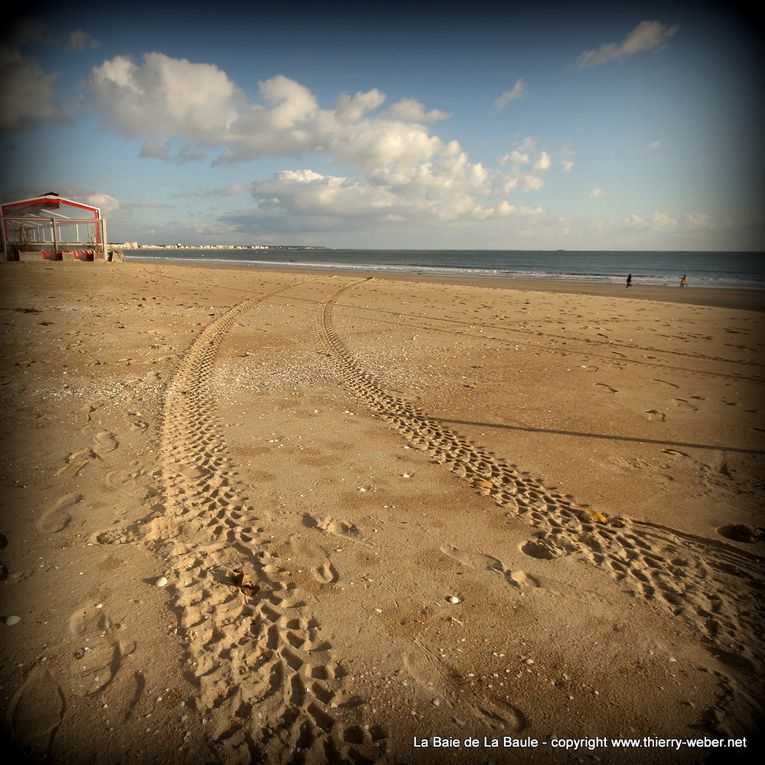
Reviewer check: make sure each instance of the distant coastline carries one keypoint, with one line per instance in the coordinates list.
(180, 246)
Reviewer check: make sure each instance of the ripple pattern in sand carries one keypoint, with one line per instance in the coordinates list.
(268, 683)
(712, 586)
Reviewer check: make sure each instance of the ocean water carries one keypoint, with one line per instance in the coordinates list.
(742, 270)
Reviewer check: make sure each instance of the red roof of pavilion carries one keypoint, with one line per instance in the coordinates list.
(47, 202)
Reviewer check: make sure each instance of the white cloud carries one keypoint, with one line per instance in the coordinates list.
(411, 110)
(635, 222)
(105, 202)
(647, 35)
(516, 157)
(403, 171)
(298, 201)
(526, 165)
(661, 221)
(690, 230)
(511, 95)
(505, 209)
(304, 200)
(543, 162)
(353, 108)
(165, 96)
(293, 104)
(596, 193)
(657, 144)
(311, 195)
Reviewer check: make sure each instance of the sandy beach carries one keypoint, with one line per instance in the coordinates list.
(273, 516)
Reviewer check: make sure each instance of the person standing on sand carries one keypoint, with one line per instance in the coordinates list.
(683, 281)
(629, 280)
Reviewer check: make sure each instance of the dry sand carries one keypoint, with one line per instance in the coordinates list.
(385, 511)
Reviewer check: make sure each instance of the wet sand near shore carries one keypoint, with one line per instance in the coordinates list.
(743, 300)
(280, 516)
(739, 299)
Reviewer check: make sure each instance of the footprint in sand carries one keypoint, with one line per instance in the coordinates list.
(77, 462)
(607, 387)
(742, 533)
(521, 579)
(543, 546)
(58, 518)
(105, 442)
(481, 562)
(655, 414)
(98, 656)
(321, 567)
(125, 694)
(683, 404)
(35, 713)
(340, 528)
(332, 526)
(326, 573)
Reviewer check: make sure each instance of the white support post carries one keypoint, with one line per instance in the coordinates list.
(103, 238)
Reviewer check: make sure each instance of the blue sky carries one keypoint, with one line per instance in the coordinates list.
(587, 126)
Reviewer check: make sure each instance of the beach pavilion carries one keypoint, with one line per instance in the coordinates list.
(53, 228)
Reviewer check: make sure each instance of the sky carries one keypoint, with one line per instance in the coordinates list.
(587, 126)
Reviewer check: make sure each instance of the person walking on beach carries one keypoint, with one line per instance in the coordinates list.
(683, 281)
(629, 280)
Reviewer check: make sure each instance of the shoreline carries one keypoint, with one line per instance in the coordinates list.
(718, 297)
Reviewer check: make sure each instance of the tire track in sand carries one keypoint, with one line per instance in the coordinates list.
(268, 684)
(712, 586)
